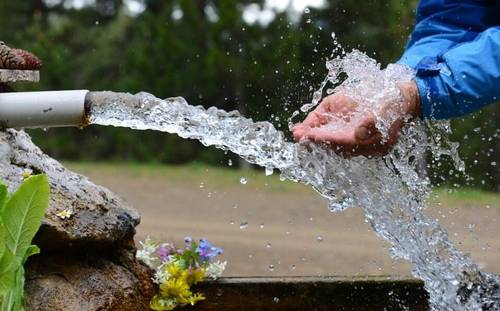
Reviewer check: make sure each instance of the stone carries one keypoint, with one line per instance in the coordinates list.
(98, 217)
(8, 75)
(87, 260)
(96, 280)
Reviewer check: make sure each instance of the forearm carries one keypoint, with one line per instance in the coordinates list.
(464, 79)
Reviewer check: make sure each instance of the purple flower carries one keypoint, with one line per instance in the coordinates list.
(188, 243)
(207, 251)
(163, 252)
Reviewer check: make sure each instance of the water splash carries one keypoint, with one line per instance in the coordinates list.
(390, 190)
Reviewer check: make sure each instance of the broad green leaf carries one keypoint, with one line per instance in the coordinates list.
(18, 292)
(23, 214)
(2, 238)
(8, 267)
(4, 194)
(32, 250)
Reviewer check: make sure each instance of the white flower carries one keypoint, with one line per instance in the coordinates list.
(161, 275)
(215, 269)
(147, 253)
(25, 173)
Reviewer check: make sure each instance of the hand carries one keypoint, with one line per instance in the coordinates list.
(338, 122)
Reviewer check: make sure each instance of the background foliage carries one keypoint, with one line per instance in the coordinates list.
(211, 56)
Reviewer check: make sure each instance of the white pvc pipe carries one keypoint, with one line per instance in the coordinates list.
(43, 109)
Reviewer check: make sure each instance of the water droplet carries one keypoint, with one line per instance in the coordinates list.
(261, 226)
(230, 162)
(244, 225)
(268, 245)
(319, 239)
(307, 10)
(276, 300)
(243, 181)
(235, 206)
(202, 185)
(269, 171)
(271, 268)
(231, 222)
(293, 267)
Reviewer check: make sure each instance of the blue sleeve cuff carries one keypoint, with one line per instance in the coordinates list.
(435, 99)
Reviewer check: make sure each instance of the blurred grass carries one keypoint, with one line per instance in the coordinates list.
(225, 177)
(213, 176)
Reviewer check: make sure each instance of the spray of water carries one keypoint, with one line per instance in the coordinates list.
(390, 190)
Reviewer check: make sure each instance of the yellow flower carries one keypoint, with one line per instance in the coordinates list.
(66, 214)
(177, 289)
(195, 276)
(174, 271)
(26, 173)
(195, 298)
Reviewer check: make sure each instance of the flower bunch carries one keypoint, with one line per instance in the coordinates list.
(177, 269)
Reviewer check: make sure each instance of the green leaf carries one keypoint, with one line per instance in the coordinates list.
(2, 239)
(32, 250)
(23, 214)
(4, 194)
(8, 268)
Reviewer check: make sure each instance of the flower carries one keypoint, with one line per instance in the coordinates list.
(160, 303)
(176, 288)
(164, 252)
(65, 214)
(176, 270)
(195, 275)
(188, 240)
(207, 251)
(215, 269)
(25, 173)
(195, 298)
(146, 254)
(161, 275)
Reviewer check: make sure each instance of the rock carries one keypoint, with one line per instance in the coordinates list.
(98, 280)
(98, 216)
(87, 261)
(9, 75)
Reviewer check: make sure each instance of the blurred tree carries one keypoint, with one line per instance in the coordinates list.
(205, 51)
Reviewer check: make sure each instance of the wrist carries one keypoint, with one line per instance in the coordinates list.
(411, 98)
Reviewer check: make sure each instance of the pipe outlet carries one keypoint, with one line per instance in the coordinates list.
(43, 109)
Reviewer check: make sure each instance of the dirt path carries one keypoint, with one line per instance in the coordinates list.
(289, 232)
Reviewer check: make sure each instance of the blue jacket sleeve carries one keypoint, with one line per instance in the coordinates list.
(455, 52)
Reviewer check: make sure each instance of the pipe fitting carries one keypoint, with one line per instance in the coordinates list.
(43, 109)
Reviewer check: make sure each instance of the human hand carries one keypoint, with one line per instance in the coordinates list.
(339, 123)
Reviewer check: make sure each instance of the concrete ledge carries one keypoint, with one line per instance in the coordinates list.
(7, 75)
(313, 293)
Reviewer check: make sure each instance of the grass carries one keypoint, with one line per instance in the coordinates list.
(224, 177)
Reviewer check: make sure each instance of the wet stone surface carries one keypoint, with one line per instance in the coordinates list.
(97, 216)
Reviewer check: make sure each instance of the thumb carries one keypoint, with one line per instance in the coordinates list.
(366, 129)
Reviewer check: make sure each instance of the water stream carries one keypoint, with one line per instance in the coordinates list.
(390, 190)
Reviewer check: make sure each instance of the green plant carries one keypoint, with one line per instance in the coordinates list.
(20, 218)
